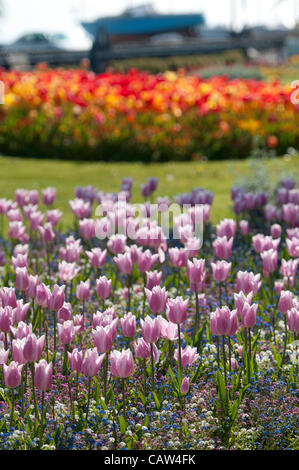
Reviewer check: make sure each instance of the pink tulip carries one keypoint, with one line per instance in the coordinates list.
(47, 232)
(151, 329)
(97, 257)
(65, 312)
(87, 228)
(240, 300)
(20, 261)
(6, 319)
(188, 356)
(177, 310)
(3, 356)
(21, 331)
(146, 261)
(269, 258)
(75, 360)
(226, 228)
(80, 208)
(122, 363)
(293, 246)
(67, 271)
(49, 196)
(248, 282)
(156, 298)
(153, 278)
(244, 227)
(22, 278)
(104, 336)
(278, 286)
(17, 231)
(289, 213)
(124, 263)
(18, 350)
(33, 347)
(43, 295)
(221, 270)
(12, 374)
(67, 331)
(128, 325)
(43, 375)
(222, 247)
(185, 385)
(79, 322)
(54, 216)
(20, 311)
(195, 271)
(57, 298)
(117, 244)
(282, 196)
(293, 319)
(103, 318)
(103, 287)
(169, 330)
(92, 362)
(143, 350)
(275, 231)
(288, 183)
(178, 257)
(83, 290)
(285, 301)
(270, 212)
(248, 315)
(224, 322)
(32, 286)
(289, 268)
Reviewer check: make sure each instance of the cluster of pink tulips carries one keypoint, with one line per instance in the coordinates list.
(104, 307)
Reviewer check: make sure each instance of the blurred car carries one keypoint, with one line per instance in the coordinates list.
(167, 38)
(32, 42)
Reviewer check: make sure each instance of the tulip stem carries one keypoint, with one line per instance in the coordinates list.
(83, 310)
(285, 340)
(152, 366)
(129, 292)
(180, 351)
(144, 296)
(88, 397)
(12, 406)
(196, 315)
(42, 411)
(144, 376)
(220, 294)
(224, 359)
(124, 398)
(33, 392)
(105, 375)
(55, 335)
(218, 351)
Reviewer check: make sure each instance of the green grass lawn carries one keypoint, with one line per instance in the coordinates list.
(174, 178)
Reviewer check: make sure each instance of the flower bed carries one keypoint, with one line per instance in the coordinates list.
(115, 335)
(138, 116)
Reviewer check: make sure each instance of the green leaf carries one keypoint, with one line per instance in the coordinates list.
(142, 397)
(158, 404)
(122, 424)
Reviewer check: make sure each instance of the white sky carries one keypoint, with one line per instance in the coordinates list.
(21, 16)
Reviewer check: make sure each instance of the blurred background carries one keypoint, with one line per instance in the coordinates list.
(62, 32)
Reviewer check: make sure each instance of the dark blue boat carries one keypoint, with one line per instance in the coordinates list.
(143, 22)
